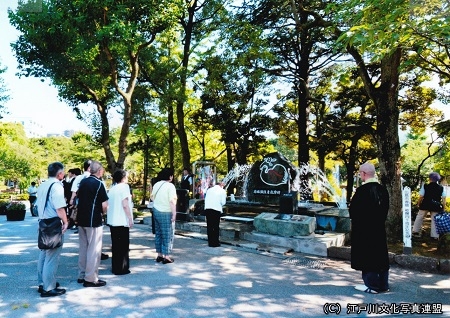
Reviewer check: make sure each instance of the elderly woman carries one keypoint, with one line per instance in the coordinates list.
(432, 199)
(164, 197)
(120, 220)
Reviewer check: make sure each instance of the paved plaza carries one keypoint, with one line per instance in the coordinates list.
(205, 282)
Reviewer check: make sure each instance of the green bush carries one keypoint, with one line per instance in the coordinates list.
(4, 203)
(16, 206)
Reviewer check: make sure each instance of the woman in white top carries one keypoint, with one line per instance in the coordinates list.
(120, 220)
(164, 196)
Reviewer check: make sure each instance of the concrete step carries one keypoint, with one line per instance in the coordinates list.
(313, 244)
(244, 235)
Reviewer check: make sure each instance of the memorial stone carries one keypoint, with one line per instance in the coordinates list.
(270, 178)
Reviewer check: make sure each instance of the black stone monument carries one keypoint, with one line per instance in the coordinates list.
(270, 179)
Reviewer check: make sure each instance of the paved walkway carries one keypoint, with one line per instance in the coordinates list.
(203, 282)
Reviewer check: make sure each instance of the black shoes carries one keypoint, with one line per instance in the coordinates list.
(41, 288)
(104, 256)
(122, 273)
(53, 292)
(99, 283)
(164, 260)
(168, 260)
(80, 280)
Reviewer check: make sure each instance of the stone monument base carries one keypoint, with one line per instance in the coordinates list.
(287, 225)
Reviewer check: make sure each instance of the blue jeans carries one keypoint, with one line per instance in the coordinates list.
(164, 232)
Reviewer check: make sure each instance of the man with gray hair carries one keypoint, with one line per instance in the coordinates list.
(432, 199)
(92, 205)
(51, 203)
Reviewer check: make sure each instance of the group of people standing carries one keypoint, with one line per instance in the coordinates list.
(368, 211)
(93, 202)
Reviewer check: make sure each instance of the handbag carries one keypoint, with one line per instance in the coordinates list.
(74, 214)
(50, 230)
(35, 212)
(442, 222)
(50, 233)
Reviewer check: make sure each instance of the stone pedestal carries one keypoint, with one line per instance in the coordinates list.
(334, 219)
(286, 225)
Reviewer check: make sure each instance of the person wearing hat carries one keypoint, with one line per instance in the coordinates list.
(432, 199)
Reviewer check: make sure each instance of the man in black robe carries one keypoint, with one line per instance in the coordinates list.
(368, 212)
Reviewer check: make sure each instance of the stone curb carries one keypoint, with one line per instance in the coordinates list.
(416, 262)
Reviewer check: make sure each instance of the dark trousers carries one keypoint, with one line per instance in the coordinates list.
(212, 223)
(120, 245)
(376, 280)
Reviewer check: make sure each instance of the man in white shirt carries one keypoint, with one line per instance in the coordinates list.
(215, 199)
(186, 180)
(32, 192)
(76, 182)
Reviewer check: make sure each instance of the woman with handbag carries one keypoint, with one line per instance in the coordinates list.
(164, 196)
(120, 221)
(432, 199)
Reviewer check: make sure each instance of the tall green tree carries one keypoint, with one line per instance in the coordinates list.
(198, 22)
(233, 101)
(373, 31)
(90, 50)
(299, 41)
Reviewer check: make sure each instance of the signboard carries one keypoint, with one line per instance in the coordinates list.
(406, 208)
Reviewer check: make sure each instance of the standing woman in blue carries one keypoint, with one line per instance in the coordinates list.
(164, 197)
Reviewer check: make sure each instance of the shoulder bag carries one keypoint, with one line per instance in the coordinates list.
(50, 230)
(442, 222)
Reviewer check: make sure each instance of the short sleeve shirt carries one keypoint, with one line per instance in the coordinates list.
(91, 195)
(55, 201)
(163, 193)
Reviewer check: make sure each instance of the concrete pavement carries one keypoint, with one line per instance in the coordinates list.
(205, 282)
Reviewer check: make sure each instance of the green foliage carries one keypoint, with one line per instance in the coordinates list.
(92, 55)
(376, 27)
(15, 154)
(417, 161)
(16, 206)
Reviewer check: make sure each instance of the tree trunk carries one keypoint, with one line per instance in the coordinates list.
(385, 98)
(171, 136)
(180, 129)
(388, 140)
(352, 157)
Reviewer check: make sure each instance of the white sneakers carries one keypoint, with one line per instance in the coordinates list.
(365, 289)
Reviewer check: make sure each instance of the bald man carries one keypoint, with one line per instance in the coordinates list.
(368, 211)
